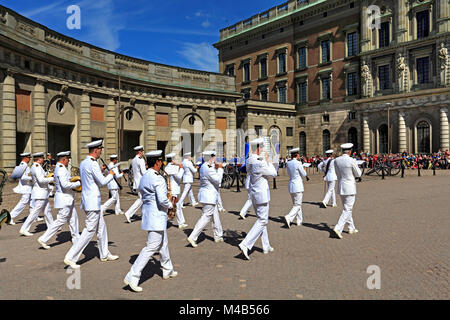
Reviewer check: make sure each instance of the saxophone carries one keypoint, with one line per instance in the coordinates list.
(171, 212)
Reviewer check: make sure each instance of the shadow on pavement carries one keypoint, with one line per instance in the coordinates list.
(321, 227)
(61, 238)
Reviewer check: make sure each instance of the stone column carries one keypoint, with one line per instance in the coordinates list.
(401, 132)
(173, 126)
(445, 145)
(39, 134)
(211, 126)
(85, 123)
(443, 20)
(231, 134)
(111, 128)
(8, 124)
(401, 20)
(366, 133)
(365, 31)
(150, 127)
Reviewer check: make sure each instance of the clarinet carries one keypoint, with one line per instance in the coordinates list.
(114, 177)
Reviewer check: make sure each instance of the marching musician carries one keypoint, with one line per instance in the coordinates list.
(64, 201)
(154, 220)
(188, 180)
(346, 171)
(327, 167)
(248, 203)
(138, 167)
(39, 195)
(175, 172)
(49, 166)
(22, 172)
(91, 180)
(113, 187)
(259, 169)
(296, 172)
(210, 177)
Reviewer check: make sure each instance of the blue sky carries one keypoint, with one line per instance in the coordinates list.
(174, 32)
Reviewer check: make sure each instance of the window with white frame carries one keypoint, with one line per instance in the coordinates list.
(263, 93)
(282, 62)
(230, 70)
(246, 93)
(282, 91)
(246, 71)
(302, 92)
(301, 52)
(352, 44)
(326, 87)
(325, 51)
(263, 67)
(352, 83)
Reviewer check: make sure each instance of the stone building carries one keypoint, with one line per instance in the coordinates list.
(322, 73)
(57, 93)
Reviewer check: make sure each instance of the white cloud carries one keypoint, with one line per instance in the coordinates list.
(45, 9)
(206, 24)
(201, 56)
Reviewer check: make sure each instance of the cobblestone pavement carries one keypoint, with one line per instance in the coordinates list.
(403, 228)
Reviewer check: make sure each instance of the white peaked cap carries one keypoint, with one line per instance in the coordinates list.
(38, 154)
(113, 156)
(94, 144)
(138, 148)
(26, 154)
(154, 154)
(346, 146)
(257, 141)
(171, 155)
(63, 154)
(208, 153)
(294, 150)
(187, 154)
(329, 151)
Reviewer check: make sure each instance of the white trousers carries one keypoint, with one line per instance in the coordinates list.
(219, 201)
(208, 211)
(37, 205)
(94, 224)
(259, 228)
(135, 206)
(331, 194)
(65, 215)
(179, 213)
(246, 206)
(20, 206)
(187, 189)
(113, 200)
(156, 241)
(346, 216)
(296, 210)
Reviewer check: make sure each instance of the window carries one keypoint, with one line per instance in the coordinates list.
(264, 94)
(129, 114)
(423, 70)
(383, 76)
(353, 138)
(325, 45)
(282, 63)
(352, 44)
(247, 72)
(352, 83)
(282, 94)
(302, 58)
(326, 118)
(383, 139)
(248, 22)
(263, 68)
(283, 8)
(423, 24)
(302, 143)
(246, 93)
(326, 88)
(383, 35)
(325, 140)
(352, 115)
(302, 120)
(302, 1)
(264, 15)
(230, 71)
(302, 92)
(423, 137)
(258, 130)
(289, 131)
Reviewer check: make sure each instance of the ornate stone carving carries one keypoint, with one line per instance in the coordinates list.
(132, 101)
(64, 90)
(366, 77)
(25, 28)
(443, 60)
(401, 71)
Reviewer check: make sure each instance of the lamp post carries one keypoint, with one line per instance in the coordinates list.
(388, 105)
(121, 113)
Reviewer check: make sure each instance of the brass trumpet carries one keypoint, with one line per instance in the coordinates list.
(75, 179)
(171, 212)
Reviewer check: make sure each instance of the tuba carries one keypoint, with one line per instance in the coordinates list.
(171, 212)
(75, 179)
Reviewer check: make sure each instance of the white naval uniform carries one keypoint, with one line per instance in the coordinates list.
(330, 179)
(248, 203)
(154, 220)
(259, 191)
(113, 187)
(39, 198)
(175, 175)
(296, 172)
(188, 179)
(208, 195)
(346, 171)
(138, 167)
(24, 188)
(64, 201)
(91, 180)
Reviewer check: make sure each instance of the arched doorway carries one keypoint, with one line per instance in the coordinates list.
(353, 138)
(383, 139)
(326, 141)
(423, 137)
(132, 133)
(193, 129)
(275, 142)
(302, 143)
